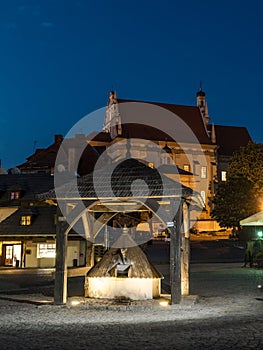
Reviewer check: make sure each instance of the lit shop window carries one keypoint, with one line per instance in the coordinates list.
(14, 195)
(46, 250)
(223, 175)
(25, 220)
(203, 172)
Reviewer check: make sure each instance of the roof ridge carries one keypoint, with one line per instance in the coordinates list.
(157, 102)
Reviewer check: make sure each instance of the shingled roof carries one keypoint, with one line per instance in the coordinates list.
(122, 180)
(29, 184)
(43, 223)
(140, 266)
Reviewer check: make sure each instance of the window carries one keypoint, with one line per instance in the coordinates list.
(25, 220)
(46, 250)
(223, 175)
(9, 252)
(14, 195)
(186, 167)
(203, 172)
(203, 195)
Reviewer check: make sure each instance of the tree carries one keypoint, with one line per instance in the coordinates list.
(242, 194)
(248, 162)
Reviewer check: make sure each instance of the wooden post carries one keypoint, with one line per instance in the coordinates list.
(89, 254)
(89, 251)
(175, 256)
(60, 290)
(185, 249)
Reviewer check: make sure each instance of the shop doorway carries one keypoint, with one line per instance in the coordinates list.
(12, 255)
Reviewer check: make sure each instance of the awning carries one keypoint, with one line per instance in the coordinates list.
(253, 220)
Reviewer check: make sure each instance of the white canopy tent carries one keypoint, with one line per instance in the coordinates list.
(253, 220)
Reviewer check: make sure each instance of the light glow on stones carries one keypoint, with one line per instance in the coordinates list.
(164, 303)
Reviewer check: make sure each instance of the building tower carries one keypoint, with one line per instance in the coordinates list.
(112, 121)
(202, 104)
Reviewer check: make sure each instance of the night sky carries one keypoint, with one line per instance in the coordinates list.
(60, 58)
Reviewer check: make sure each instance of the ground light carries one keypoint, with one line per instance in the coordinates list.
(164, 302)
(76, 301)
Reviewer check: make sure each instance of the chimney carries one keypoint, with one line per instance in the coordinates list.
(58, 138)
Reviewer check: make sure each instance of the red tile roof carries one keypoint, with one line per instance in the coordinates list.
(230, 138)
(43, 158)
(189, 114)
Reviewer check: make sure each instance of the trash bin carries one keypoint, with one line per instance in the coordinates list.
(75, 262)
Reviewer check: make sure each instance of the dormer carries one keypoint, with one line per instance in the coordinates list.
(25, 220)
(14, 195)
(27, 216)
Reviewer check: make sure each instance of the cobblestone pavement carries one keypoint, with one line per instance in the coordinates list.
(229, 315)
(199, 326)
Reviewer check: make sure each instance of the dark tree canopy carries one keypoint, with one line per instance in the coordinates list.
(248, 162)
(242, 194)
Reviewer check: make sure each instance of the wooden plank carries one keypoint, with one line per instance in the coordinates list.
(175, 256)
(60, 288)
(185, 249)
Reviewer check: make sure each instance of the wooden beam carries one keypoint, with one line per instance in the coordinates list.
(60, 288)
(101, 222)
(185, 249)
(175, 256)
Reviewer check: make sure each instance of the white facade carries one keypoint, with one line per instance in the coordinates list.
(133, 288)
(36, 255)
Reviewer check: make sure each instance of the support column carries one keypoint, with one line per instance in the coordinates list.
(60, 290)
(185, 256)
(175, 256)
(89, 251)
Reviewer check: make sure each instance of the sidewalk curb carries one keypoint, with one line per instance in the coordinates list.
(25, 300)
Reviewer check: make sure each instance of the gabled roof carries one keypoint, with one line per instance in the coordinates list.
(43, 158)
(191, 115)
(43, 222)
(89, 158)
(230, 138)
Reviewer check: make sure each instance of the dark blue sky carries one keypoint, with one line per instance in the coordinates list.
(60, 58)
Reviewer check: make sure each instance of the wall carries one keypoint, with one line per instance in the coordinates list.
(73, 252)
(111, 287)
(31, 254)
